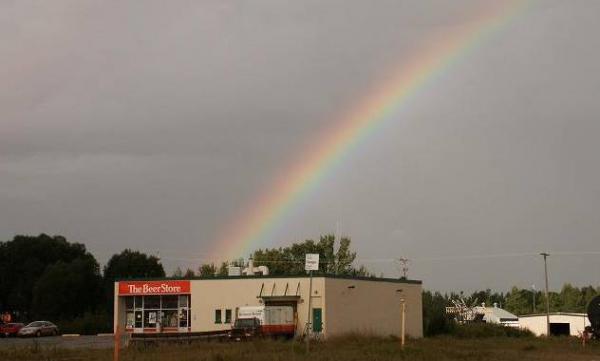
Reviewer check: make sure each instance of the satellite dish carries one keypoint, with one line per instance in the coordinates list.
(593, 312)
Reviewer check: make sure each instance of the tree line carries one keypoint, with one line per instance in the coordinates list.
(334, 258)
(47, 277)
(518, 301)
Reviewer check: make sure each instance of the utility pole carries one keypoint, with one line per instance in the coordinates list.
(545, 255)
(533, 293)
(311, 264)
(309, 321)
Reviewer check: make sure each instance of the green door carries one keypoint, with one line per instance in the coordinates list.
(317, 320)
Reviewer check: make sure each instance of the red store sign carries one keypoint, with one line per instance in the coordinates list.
(154, 287)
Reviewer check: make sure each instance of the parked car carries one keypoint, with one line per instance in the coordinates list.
(39, 328)
(10, 329)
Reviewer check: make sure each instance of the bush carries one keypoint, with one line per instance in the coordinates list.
(88, 324)
(481, 330)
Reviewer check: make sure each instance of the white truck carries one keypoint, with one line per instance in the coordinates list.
(270, 321)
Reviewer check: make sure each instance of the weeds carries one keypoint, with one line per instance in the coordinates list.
(349, 348)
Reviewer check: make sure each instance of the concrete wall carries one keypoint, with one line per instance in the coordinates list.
(537, 323)
(372, 307)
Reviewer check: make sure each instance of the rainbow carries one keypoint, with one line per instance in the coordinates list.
(259, 219)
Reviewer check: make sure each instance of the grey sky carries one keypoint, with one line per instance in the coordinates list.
(149, 124)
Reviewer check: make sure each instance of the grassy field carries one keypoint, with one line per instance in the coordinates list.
(347, 348)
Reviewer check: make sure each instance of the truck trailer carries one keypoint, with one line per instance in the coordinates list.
(263, 321)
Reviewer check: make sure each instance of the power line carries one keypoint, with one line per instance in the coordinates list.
(424, 259)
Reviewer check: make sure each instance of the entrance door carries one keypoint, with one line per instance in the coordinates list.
(138, 314)
(138, 326)
(317, 320)
(184, 313)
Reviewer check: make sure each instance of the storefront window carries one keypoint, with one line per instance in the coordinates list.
(152, 302)
(150, 318)
(169, 318)
(129, 303)
(129, 319)
(139, 302)
(169, 302)
(149, 311)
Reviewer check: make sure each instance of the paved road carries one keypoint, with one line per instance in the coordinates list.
(59, 341)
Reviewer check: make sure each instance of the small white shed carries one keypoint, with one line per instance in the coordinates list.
(561, 324)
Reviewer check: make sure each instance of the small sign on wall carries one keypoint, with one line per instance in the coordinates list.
(312, 262)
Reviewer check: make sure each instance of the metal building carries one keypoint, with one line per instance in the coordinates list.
(561, 324)
(339, 304)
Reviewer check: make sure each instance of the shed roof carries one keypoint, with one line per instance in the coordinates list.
(572, 314)
(500, 313)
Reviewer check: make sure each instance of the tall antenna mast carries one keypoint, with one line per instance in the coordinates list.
(403, 265)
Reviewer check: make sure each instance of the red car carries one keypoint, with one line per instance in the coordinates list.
(10, 329)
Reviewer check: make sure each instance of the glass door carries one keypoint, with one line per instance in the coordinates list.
(138, 314)
(184, 313)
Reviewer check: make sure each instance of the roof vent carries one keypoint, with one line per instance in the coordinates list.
(251, 270)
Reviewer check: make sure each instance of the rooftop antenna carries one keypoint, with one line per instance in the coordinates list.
(403, 265)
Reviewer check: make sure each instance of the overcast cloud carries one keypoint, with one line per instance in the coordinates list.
(149, 124)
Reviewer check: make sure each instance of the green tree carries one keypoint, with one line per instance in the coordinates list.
(177, 273)
(519, 301)
(343, 258)
(488, 297)
(571, 299)
(189, 273)
(68, 290)
(588, 293)
(290, 260)
(435, 320)
(223, 269)
(129, 264)
(207, 270)
(132, 264)
(24, 259)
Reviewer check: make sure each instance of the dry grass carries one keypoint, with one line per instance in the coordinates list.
(348, 348)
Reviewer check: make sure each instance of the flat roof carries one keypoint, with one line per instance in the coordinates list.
(356, 278)
(573, 314)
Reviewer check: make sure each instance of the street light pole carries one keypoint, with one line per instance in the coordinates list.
(403, 319)
(545, 255)
(403, 326)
